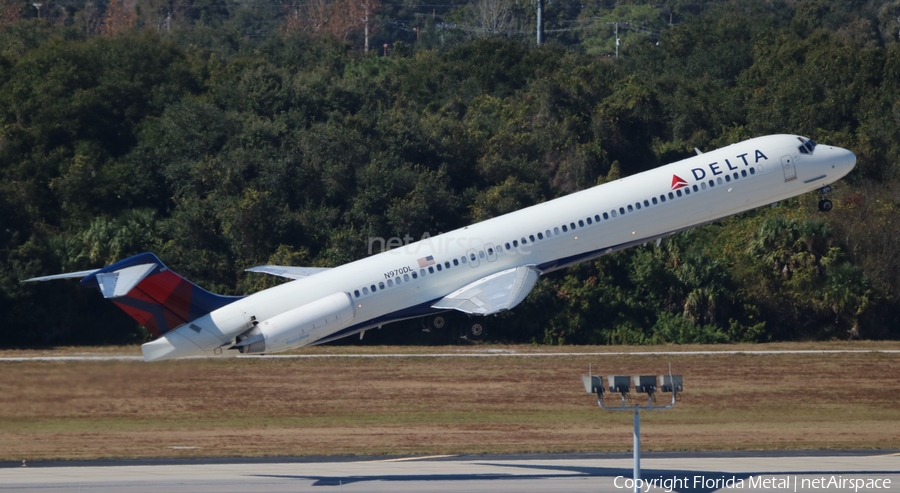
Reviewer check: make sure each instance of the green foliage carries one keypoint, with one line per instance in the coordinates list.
(221, 143)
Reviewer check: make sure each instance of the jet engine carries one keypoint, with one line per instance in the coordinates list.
(298, 327)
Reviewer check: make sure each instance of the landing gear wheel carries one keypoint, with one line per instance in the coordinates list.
(434, 323)
(825, 205)
(475, 331)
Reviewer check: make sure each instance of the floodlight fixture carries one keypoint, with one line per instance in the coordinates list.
(619, 383)
(643, 384)
(671, 383)
(592, 384)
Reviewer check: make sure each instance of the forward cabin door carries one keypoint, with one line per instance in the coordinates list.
(787, 165)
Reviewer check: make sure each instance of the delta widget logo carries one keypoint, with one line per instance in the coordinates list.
(678, 182)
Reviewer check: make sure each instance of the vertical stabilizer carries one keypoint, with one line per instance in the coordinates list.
(150, 293)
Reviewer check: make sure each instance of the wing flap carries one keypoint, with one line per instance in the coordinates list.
(495, 293)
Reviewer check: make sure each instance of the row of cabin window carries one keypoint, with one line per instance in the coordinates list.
(556, 231)
(677, 193)
(415, 275)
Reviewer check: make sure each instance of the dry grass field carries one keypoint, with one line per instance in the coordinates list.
(441, 405)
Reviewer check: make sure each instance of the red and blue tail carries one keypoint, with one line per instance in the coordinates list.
(150, 293)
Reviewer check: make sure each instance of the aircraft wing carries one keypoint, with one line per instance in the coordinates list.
(69, 275)
(494, 293)
(288, 271)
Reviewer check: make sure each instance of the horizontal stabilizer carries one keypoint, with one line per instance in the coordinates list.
(492, 294)
(288, 271)
(69, 275)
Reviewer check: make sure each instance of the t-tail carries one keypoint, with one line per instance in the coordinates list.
(144, 288)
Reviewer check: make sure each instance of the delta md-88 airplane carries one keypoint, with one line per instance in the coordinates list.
(481, 269)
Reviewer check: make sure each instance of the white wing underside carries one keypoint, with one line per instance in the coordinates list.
(492, 294)
(288, 271)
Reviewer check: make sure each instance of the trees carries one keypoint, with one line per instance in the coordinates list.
(342, 19)
(222, 151)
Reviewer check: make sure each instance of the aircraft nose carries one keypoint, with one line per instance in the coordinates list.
(850, 159)
(841, 160)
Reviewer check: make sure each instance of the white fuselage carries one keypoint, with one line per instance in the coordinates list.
(656, 203)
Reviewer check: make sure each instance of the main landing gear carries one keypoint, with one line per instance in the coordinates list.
(471, 328)
(825, 205)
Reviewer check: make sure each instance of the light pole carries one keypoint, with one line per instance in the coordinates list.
(642, 384)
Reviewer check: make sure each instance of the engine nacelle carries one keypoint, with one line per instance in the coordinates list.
(298, 327)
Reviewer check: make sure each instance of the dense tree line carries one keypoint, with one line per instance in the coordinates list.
(220, 151)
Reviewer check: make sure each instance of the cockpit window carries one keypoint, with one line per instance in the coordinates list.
(807, 146)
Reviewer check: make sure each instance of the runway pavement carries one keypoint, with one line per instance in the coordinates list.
(697, 473)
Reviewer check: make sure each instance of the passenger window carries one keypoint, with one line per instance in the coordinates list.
(462, 259)
(621, 210)
(565, 228)
(515, 244)
(646, 203)
(687, 190)
(381, 285)
(638, 205)
(672, 196)
(613, 212)
(422, 272)
(719, 180)
(580, 223)
(556, 231)
(390, 283)
(540, 236)
(547, 233)
(507, 247)
(439, 267)
(415, 276)
(572, 226)
(752, 171)
(397, 280)
(524, 241)
(630, 208)
(480, 253)
(695, 188)
(662, 198)
(605, 216)
(678, 192)
(728, 178)
(530, 237)
(447, 264)
(455, 262)
(365, 290)
(374, 289)
(589, 221)
(406, 277)
(597, 218)
(711, 183)
(356, 293)
(736, 175)
(472, 256)
(744, 173)
(431, 270)
(655, 201)
(702, 185)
